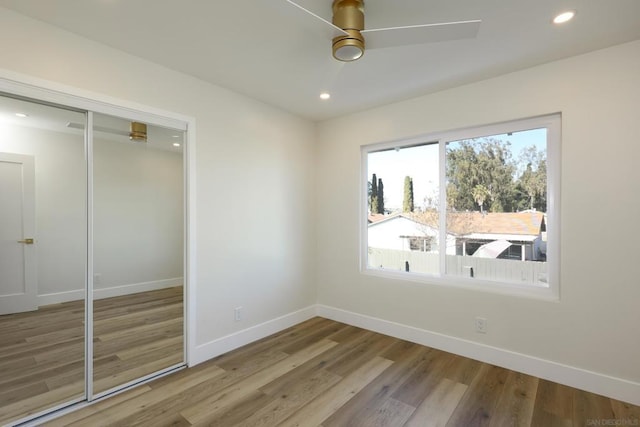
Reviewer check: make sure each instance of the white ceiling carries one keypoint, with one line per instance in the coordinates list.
(269, 50)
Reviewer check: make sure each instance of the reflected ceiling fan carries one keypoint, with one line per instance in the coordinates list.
(137, 131)
(349, 35)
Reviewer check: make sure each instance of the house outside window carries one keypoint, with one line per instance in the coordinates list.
(481, 200)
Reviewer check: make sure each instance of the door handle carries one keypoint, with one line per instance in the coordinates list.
(26, 241)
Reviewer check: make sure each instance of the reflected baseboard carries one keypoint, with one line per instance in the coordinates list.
(114, 291)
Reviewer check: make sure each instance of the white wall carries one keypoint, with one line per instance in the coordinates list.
(255, 241)
(594, 326)
(137, 217)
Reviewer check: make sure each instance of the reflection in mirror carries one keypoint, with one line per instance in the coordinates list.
(42, 258)
(137, 251)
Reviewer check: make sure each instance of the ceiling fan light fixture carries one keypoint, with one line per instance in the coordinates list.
(348, 48)
(138, 132)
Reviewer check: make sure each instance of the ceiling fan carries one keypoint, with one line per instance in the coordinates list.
(349, 35)
(137, 131)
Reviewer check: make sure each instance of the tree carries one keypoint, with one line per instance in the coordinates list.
(480, 194)
(407, 202)
(376, 195)
(533, 179)
(452, 196)
(380, 196)
(486, 162)
(373, 204)
(482, 172)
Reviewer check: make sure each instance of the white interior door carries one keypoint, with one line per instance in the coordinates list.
(18, 271)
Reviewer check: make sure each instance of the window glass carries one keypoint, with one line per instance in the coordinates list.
(403, 218)
(496, 206)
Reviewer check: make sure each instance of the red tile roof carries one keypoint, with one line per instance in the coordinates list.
(378, 217)
(524, 223)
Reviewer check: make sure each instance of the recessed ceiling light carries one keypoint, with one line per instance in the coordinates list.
(564, 17)
(175, 136)
(176, 144)
(22, 115)
(325, 96)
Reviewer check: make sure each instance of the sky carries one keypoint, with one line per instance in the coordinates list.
(421, 164)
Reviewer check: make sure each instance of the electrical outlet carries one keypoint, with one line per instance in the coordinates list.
(237, 314)
(96, 278)
(481, 325)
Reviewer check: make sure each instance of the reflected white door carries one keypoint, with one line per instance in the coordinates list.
(18, 275)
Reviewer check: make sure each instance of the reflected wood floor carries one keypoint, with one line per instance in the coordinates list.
(324, 373)
(42, 352)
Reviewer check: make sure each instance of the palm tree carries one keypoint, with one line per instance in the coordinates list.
(480, 194)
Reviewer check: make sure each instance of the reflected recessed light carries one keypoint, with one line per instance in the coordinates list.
(175, 136)
(176, 144)
(564, 17)
(325, 95)
(22, 115)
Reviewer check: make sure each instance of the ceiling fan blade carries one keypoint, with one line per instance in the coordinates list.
(419, 34)
(317, 22)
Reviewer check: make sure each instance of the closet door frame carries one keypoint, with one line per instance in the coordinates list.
(60, 95)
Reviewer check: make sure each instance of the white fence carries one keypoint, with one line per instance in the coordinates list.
(532, 272)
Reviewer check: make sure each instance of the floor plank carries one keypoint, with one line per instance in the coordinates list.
(388, 413)
(201, 411)
(333, 399)
(407, 358)
(553, 406)
(479, 403)
(516, 401)
(436, 409)
(289, 399)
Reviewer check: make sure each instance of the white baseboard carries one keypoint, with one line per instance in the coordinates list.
(115, 291)
(616, 388)
(230, 342)
(58, 297)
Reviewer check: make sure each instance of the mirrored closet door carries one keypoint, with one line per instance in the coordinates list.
(92, 255)
(43, 256)
(138, 236)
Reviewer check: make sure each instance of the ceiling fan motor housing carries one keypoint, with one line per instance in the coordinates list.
(348, 15)
(138, 132)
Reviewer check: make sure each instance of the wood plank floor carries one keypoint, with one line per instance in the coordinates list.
(135, 335)
(324, 373)
(42, 352)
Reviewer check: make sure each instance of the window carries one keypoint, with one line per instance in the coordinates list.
(420, 244)
(473, 207)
